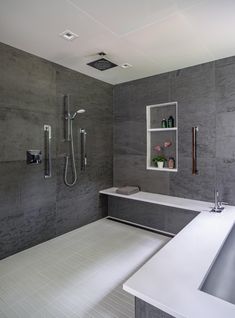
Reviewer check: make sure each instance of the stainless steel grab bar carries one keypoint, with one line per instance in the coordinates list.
(194, 150)
(47, 160)
(83, 134)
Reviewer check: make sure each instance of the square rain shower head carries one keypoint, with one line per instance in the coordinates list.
(102, 64)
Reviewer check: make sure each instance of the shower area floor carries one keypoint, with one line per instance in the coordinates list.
(78, 274)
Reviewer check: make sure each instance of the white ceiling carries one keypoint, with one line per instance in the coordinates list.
(154, 36)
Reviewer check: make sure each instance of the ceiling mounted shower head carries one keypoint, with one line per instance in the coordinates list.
(102, 64)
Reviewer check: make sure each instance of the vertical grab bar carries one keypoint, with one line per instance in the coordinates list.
(83, 149)
(47, 138)
(194, 150)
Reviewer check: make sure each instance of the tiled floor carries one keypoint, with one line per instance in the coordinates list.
(79, 274)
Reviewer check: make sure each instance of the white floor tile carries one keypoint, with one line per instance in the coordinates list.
(77, 275)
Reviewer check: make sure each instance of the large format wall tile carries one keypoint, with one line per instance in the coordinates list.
(201, 186)
(26, 82)
(80, 204)
(156, 216)
(35, 189)
(131, 170)
(23, 130)
(130, 101)
(205, 95)
(131, 98)
(145, 310)
(225, 128)
(193, 89)
(10, 181)
(225, 84)
(130, 137)
(78, 211)
(34, 209)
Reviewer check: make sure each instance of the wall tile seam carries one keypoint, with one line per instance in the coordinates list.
(15, 108)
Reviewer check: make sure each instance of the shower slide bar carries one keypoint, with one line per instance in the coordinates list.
(83, 134)
(194, 150)
(47, 138)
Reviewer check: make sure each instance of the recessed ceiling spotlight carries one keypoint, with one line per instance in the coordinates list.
(68, 35)
(126, 65)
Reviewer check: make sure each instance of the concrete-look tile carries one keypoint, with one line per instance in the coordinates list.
(11, 177)
(133, 211)
(206, 136)
(23, 130)
(144, 309)
(225, 85)
(193, 88)
(36, 190)
(225, 176)
(77, 211)
(11, 235)
(177, 219)
(130, 137)
(29, 218)
(27, 82)
(155, 216)
(225, 136)
(199, 187)
(225, 124)
(131, 98)
(32, 94)
(131, 170)
(225, 133)
(39, 224)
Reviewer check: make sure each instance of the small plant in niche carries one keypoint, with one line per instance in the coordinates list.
(159, 161)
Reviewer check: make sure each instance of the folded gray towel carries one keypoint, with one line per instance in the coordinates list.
(127, 190)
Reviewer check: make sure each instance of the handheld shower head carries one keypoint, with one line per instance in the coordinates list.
(79, 111)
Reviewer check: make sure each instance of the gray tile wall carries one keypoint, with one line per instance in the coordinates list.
(33, 209)
(156, 216)
(206, 97)
(145, 310)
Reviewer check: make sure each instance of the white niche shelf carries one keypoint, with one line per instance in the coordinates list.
(156, 135)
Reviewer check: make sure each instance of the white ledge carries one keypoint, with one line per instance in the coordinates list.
(171, 279)
(166, 200)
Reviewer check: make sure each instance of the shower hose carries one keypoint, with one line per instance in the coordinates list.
(74, 171)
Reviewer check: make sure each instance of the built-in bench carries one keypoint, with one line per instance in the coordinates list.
(164, 213)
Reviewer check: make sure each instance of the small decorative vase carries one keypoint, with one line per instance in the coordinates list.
(160, 164)
(171, 163)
